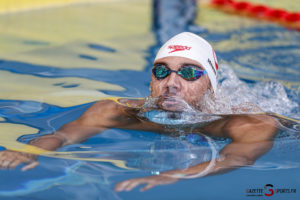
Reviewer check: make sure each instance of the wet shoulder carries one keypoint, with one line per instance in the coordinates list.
(101, 110)
(132, 103)
(112, 113)
(250, 128)
(243, 126)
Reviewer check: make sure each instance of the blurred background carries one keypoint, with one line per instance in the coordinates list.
(74, 51)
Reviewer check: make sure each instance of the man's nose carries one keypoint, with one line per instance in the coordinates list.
(173, 82)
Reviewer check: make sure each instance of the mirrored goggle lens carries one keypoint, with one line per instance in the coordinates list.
(160, 71)
(190, 73)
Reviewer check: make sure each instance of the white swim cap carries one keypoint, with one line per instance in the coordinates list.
(189, 45)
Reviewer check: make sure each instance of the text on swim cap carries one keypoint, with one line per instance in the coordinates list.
(209, 61)
(178, 48)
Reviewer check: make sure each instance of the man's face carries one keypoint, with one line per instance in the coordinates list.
(173, 90)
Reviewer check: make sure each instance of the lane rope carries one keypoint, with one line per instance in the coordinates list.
(259, 11)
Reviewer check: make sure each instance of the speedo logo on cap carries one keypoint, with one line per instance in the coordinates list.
(175, 48)
(215, 59)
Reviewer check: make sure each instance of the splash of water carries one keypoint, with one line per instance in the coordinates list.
(269, 96)
(186, 115)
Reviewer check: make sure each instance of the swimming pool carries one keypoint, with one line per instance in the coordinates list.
(57, 60)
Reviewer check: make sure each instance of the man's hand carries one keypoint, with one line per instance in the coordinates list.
(11, 159)
(150, 182)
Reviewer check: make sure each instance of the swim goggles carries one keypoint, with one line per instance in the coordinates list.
(187, 72)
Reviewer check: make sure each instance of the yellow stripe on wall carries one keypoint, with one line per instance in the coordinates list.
(8, 6)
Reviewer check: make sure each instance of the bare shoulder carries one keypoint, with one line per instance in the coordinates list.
(250, 128)
(118, 106)
(100, 112)
(110, 113)
(103, 107)
(132, 103)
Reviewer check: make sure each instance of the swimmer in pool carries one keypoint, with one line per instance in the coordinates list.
(184, 72)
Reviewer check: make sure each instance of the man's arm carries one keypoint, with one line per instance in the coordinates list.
(251, 138)
(96, 119)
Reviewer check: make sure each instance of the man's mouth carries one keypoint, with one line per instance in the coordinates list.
(170, 100)
(172, 103)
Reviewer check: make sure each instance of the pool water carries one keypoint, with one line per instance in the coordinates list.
(56, 61)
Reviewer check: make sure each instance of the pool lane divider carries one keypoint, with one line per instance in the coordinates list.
(260, 12)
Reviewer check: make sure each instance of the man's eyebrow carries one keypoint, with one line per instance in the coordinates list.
(160, 63)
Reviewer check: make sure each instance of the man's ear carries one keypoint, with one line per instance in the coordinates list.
(150, 86)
